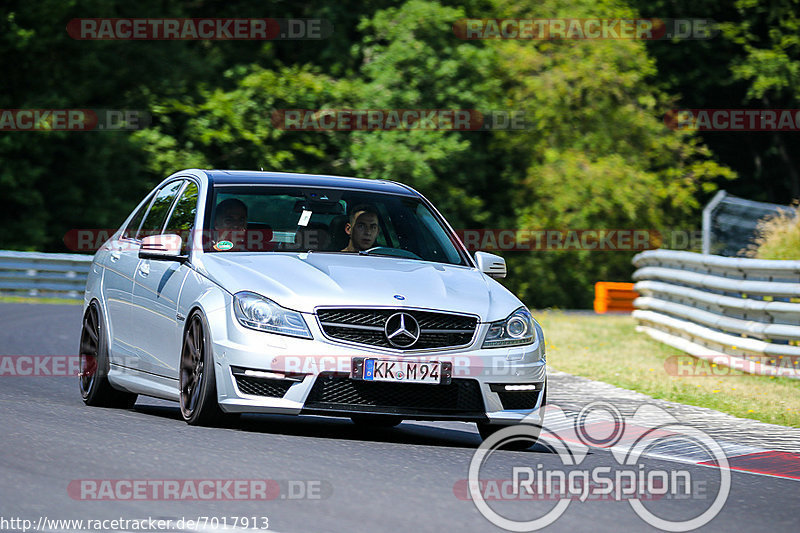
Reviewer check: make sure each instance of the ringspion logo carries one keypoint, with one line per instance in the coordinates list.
(629, 440)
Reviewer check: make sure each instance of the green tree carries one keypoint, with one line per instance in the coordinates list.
(235, 130)
(595, 154)
(770, 36)
(598, 154)
(751, 63)
(53, 182)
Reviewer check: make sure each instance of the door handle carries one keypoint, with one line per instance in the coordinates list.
(115, 255)
(144, 268)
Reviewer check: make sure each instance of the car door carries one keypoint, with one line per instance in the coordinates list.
(157, 288)
(120, 265)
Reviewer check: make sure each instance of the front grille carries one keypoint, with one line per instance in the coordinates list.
(338, 393)
(274, 388)
(366, 326)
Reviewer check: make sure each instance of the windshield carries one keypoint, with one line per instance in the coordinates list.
(298, 219)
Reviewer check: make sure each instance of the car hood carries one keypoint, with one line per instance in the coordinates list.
(303, 281)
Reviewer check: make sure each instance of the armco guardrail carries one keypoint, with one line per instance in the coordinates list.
(711, 306)
(39, 275)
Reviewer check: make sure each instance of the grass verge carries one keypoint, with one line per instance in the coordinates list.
(608, 348)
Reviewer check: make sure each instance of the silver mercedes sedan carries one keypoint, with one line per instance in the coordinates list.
(263, 292)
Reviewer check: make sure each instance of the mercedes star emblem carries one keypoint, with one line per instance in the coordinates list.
(402, 330)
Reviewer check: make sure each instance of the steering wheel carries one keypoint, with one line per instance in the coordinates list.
(397, 252)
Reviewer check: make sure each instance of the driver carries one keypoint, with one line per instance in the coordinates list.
(362, 228)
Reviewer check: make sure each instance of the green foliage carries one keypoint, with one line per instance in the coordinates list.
(754, 62)
(412, 60)
(234, 129)
(770, 65)
(778, 237)
(596, 153)
(598, 156)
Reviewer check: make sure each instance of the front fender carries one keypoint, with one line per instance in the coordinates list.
(200, 294)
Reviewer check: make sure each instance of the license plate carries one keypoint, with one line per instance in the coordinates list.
(428, 372)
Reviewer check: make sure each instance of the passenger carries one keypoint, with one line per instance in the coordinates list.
(312, 238)
(230, 226)
(363, 228)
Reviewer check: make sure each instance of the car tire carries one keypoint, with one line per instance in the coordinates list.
(95, 388)
(197, 382)
(381, 421)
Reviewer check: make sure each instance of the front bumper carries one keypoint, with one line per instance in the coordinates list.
(258, 372)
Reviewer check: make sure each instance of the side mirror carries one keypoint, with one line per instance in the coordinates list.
(165, 247)
(490, 264)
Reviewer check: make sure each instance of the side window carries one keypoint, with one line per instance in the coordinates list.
(182, 217)
(133, 226)
(157, 215)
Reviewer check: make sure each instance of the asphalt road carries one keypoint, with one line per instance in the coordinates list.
(399, 479)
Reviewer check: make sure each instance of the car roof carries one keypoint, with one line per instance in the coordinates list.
(251, 177)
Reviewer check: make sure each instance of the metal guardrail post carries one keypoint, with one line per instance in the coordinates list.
(707, 210)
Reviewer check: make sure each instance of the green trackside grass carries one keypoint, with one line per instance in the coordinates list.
(27, 300)
(608, 348)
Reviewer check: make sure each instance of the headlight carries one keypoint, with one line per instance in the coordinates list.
(515, 330)
(256, 312)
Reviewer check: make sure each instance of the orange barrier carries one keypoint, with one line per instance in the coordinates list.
(613, 296)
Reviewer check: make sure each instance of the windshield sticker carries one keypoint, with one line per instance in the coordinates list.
(221, 246)
(304, 218)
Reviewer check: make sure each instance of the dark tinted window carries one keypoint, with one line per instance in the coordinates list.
(133, 226)
(182, 218)
(157, 215)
